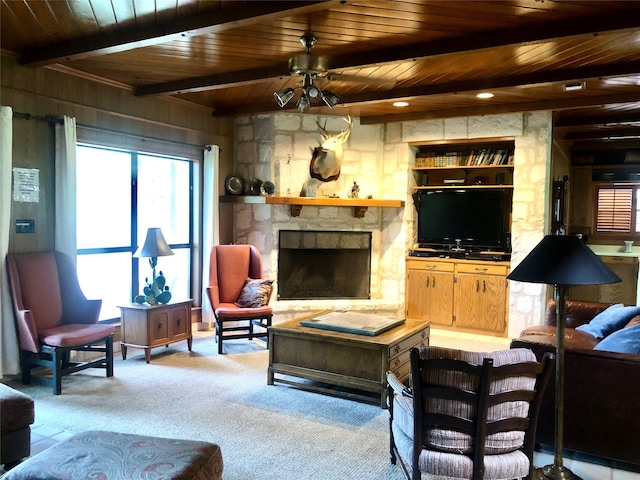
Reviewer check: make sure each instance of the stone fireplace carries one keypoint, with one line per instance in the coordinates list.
(379, 158)
(324, 265)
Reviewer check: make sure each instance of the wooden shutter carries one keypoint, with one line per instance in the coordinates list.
(614, 210)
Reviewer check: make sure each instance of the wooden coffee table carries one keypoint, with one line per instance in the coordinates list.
(345, 364)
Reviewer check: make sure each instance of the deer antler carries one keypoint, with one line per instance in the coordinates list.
(337, 139)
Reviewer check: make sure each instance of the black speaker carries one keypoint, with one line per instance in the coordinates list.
(500, 178)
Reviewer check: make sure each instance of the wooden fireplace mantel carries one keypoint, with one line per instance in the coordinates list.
(359, 205)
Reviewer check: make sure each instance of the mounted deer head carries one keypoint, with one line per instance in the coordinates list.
(326, 159)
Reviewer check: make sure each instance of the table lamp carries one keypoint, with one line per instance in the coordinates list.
(561, 261)
(154, 246)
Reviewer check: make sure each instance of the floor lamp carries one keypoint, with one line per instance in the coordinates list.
(561, 261)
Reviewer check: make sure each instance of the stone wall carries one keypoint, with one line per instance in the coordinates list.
(378, 157)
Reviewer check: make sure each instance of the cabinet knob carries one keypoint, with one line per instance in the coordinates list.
(397, 349)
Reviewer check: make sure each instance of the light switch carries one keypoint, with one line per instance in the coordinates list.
(25, 226)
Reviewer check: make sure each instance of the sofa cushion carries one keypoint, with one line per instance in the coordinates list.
(626, 340)
(613, 318)
(634, 321)
(546, 334)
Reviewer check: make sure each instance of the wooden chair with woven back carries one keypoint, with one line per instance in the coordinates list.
(467, 415)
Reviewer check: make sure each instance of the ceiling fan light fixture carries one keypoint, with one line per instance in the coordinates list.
(485, 95)
(283, 96)
(331, 99)
(303, 102)
(400, 104)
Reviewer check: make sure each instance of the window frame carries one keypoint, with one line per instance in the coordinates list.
(136, 285)
(616, 236)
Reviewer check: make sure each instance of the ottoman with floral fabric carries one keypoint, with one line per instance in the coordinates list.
(119, 456)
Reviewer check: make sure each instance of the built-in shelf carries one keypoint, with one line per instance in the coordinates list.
(359, 205)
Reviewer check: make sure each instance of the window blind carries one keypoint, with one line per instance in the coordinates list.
(614, 210)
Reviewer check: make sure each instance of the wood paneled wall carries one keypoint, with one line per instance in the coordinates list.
(45, 92)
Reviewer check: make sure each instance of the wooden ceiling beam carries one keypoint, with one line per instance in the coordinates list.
(551, 105)
(599, 120)
(407, 52)
(625, 144)
(541, 77)
(563, 75)
(238, 15)
(621, 133)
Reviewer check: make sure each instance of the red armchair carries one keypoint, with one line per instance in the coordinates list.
(54, 318)
(230, 267)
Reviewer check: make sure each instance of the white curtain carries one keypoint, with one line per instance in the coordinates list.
(9, 357)
(210, 224)
(65, 187)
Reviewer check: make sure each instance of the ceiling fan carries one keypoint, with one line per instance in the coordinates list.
(309, 67)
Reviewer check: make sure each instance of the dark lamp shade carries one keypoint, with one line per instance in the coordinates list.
(154, 246)
(563, 260)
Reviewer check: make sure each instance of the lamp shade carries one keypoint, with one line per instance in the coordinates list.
(563, 260)
(154, 245)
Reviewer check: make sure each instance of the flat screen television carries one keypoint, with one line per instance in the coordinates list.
(472, 219)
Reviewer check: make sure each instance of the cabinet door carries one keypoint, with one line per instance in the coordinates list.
(416, 294)
(623, 292)
(429, 296)
(158, 327)
(440, 310)
(480, 302)
(178, 323)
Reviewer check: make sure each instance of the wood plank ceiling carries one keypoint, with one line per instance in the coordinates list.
(231, 56)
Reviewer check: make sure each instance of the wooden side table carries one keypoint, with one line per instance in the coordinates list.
(148, 326)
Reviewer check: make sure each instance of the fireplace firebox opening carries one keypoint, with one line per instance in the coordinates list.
(324, 265)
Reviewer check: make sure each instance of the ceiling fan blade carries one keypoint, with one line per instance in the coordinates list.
(381, 82)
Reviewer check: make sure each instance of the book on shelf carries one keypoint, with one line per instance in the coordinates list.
(474, 157)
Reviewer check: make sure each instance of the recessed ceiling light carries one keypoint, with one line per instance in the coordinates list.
(485, 95)
(400, 104)
(572, 87)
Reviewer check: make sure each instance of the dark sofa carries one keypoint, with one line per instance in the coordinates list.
(602, 389)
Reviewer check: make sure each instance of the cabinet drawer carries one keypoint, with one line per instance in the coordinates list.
(619, 260)
(401, 366)
(420, 338)
(429, 265)
(481, 268)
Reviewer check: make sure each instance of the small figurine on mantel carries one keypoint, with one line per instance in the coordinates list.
(355, 190)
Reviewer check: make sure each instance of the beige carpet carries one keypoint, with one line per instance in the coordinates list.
(265, 432)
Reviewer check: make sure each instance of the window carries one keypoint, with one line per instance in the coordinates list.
(119, 195)
(616, 210)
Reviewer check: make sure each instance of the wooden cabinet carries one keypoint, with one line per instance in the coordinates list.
(477, 163)
(149, 326)
(431, 284)
(469, 295)
(624, 292)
